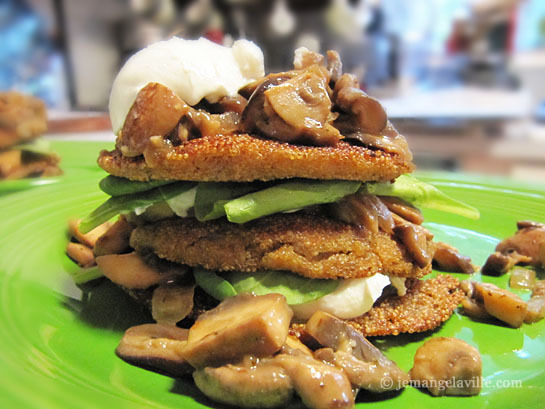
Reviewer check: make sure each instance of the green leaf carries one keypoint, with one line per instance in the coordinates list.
(213, 284)
(127, 203)
(117, 186)
(85, 275)
(181, 203)
(421, 194)
(296, 289)
(211, 196)
(287, 196)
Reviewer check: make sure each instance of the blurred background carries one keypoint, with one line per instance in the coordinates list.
(464, 80)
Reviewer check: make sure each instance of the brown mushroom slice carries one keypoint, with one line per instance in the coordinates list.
(522, 278)
(536, 309)
(115, 240)
(272, 79)
(448, 258)
(523, 224)
(155, 111)
(303, 103)
(89, 239)
(128, 270)
(235, 104)
(320, 386)
(257, 384)
(403, 209)
(416, 242)
(255, 118)
(474, 310)
(171, 304)
(294, 344)
(245, 324)
(500, 303)
(499, 263)
(366, 375)
(81, 254)
(365, 211)
(336, 334)
(526, 246)
(448, 366)
(156, 347)
(362, 113)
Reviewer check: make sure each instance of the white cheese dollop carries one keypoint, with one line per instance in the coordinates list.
(352, 298)
(193, 69)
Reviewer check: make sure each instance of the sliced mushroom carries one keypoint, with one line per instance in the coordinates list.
(234, 104)
(115, 240)
(320, 386)
(294, 107)
(448, 366)
(526, 241)
(128, 270)
(294, 344)
(403, 209)
(155, 111)
(252, 384)
(171, 303)
(360, 112)
(499, 303)
(415, 239)
(156, 347)
(474, 310)
(81, 254)
(364, 211)
(336, 334)
(526, 246)
(88, 239)
(448, 258)
(240, 325)
(499, 263)
(366, 375)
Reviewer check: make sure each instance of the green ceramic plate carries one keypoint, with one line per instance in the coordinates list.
(57, 346)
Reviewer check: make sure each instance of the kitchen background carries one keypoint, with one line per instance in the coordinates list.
(464, 80)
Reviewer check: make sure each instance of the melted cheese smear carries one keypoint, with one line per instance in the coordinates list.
(193, 69)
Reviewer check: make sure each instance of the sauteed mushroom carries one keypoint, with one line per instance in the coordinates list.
(448, 366)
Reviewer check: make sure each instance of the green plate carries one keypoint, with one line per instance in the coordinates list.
(57, 346)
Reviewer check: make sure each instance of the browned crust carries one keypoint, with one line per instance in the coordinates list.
(243, 158)
(427, 304)
(310, 245)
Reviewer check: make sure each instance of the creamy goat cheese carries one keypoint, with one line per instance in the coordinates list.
(352, 298)
(193, 69)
